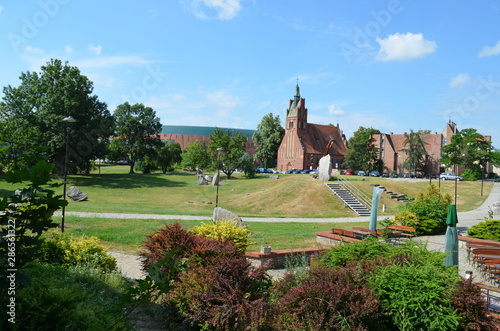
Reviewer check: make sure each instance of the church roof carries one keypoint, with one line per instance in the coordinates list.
(318, 136)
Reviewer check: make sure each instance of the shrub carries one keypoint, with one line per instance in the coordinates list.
(489, 229)
(65, 250)
(172, 237)
(227, 295)
(329, 299)
(471, 175)
(225, 230)
(469, 302)
(430, 209)
(66, 298)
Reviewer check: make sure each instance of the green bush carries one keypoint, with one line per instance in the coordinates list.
(428, 212)
(225, 230)
(62, 298)
(471, 175)
(417, 297)
(489, 230)
(65, 250)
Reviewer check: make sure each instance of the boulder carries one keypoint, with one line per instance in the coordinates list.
(220, 213)
(216, 179)
(199, 171)
(202, 180)
(76, 195)
(325, 168)
(274, 177)
(208, 178)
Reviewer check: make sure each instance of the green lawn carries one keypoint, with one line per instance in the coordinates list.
(128, 234)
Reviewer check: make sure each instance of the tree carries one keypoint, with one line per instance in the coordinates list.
(167, 154)
(469, 149)
(137, 129)
(414, 148)
(233, 148)
(196, 156)
(267, 139)
(361, 151)
(32, 115)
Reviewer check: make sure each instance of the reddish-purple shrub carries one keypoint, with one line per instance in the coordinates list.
(228, 295)
(330, 299)
(172, 237)
(470, 304)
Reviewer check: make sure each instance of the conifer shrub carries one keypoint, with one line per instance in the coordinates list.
(66, 250)
(225, 230)
(489, 230)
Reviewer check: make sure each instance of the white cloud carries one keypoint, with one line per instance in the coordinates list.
(490, 50)
(68, 49)
(95, 49)
(459, 80)
(404, 47)
(224, 9)
(335, 110)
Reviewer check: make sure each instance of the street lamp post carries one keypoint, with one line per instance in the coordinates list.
(456, 182)
(219, 151)
(68, 121)
(429, 165)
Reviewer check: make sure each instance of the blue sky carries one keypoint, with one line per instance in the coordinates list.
(392, 65)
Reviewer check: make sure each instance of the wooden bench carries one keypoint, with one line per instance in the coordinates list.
(401, 231)
(328, 238)
(276, 259)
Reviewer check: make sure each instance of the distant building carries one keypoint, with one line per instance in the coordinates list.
(305, 143)
(185, 135)
(390, 148)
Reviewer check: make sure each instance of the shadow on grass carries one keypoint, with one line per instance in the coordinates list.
(125, 181)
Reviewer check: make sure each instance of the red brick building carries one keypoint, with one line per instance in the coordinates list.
(390, 148)
(305, 143)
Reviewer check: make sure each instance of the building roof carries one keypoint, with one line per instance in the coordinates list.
(201, 130)
(318, 136)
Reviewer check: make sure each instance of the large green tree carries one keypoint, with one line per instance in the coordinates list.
(267, 139)
(168, 154)
(361, 151)
(196, 156)
(414, 148)
(32, 115)
(227, 150)
(137, 131)
(469, 149)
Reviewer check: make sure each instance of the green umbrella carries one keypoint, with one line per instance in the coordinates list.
(451, 243)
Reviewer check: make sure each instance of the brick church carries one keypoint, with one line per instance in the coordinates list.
(305, 143)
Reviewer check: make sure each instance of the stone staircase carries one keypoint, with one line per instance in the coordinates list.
(349, 199)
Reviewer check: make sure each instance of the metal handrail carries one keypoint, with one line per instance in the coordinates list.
(362, 197)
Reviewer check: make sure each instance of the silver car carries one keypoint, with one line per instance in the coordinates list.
(449, 176)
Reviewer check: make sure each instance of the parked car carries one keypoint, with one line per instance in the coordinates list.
(374, 173)
(305, 171)
(431, 176)
(406, 175)
(394, 175)
(313, 172)
(290, 171)
(272, 171)
(385, 174)
(450, 176)
(417, 175)
(361, 173)
(348, 173)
